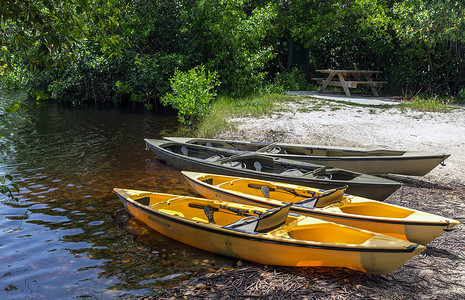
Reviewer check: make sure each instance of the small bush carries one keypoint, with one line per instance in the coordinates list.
(191, 93)
(460, 98)
(292, 81)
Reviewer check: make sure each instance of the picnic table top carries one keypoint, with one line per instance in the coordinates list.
(349, 71)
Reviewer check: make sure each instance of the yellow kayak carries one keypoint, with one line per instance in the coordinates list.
(331, 205)
(272, 237)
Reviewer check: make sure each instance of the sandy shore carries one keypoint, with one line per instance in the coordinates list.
(320, 122)
(436, 273)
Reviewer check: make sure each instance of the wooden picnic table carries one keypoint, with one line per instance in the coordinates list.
(349, 79)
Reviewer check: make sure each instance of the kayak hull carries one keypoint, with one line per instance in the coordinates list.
(302, 241)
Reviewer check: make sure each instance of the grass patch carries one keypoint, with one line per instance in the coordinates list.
(252, 106)
(225, 107)
(312, 104)
(434, 104)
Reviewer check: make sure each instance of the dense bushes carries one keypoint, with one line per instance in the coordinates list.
(419, 44)
(231, 39)
(127, 50)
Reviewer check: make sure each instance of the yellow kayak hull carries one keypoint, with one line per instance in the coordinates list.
(396, 221)
(300, 241)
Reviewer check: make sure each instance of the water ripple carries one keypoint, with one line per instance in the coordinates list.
(69, 236)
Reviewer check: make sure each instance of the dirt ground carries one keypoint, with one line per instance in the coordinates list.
(437, 273)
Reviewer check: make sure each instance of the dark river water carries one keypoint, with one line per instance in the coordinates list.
(68, 236)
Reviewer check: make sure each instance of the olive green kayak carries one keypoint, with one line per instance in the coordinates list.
(198, 158)
(378, 161)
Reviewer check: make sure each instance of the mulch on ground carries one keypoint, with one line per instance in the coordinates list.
(436, 273)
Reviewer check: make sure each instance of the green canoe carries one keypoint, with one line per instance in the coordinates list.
(379, 161)
(212, 160)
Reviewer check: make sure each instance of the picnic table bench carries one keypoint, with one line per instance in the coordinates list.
(349, 79)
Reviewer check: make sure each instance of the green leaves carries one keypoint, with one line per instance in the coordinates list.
(13, 108)
(80, 50)
(419, 44)
(49, 31)
(231, 38)
(7, 187)
(430, 21)
(191, 94)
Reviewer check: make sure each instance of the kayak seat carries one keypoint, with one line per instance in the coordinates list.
(258, 166)
(184, 150)
(325, 198)
(292, 172)
(275, 150)
(265, 191)
(209, 211)
(214, 158)
(235, 164)
(271, 219)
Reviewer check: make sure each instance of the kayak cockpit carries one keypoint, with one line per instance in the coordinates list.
(273, 222)
(327, 232)
(375, 209)
(197, 152)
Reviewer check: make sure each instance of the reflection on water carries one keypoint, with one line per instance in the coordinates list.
(68, 236)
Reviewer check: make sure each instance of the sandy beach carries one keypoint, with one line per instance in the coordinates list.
(320, 122)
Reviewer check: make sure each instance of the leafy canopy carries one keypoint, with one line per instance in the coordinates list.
(43, 29)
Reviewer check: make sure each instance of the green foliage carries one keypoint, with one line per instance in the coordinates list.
(431, 53)
(86, 78)
(230, 37)
(460, 98)
(419, 44)
(12, 73)
(191, 93)
(133, 47)
(292, 81)
(127, 50)
(47, 32)
(339, 33)
(149, 75)
(94, 78)
(7, 186)
(6, 114)
(429, 22)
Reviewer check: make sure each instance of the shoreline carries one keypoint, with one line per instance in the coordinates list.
(436, 273)
(320, 122)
